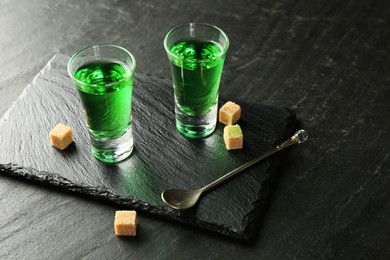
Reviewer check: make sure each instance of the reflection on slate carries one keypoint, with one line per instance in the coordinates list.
(162, 158)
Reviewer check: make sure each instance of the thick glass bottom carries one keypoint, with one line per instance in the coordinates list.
(112, 150)
(198, 126)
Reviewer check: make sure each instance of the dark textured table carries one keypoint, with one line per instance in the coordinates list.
(328, 60)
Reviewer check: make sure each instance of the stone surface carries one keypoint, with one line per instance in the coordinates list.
(326, 59)
(162, 158)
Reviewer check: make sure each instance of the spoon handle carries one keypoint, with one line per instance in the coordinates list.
(299, 137)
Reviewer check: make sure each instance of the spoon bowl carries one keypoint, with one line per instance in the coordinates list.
(181, 199)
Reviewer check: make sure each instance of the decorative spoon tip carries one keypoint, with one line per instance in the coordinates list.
(301, 136)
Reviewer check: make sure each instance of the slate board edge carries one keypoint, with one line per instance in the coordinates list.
(5, 116)
(100, 193)
(253, 217)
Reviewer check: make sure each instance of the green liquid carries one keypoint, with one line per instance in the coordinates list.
(107, 104)
(196, 74)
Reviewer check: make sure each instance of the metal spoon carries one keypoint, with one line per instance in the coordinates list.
(184, 199)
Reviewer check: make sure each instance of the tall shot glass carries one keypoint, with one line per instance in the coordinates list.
(103, 76)
(196, 53)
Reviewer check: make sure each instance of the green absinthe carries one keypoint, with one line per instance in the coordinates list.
(196, 73)
(106, 96)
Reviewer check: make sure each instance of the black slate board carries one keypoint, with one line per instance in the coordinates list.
(162, 158)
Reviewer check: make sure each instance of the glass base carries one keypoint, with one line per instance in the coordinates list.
(112, 150)
(196, 126)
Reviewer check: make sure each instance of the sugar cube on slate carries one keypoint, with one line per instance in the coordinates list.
(125, 223)
(61, 136)
(232, 135)
(229, 113)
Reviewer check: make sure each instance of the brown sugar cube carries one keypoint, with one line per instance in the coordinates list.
(233, 137)
(229, 113)
(125, 223)
(61, 136)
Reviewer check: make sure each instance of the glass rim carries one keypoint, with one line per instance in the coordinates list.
(74, 56)
(224, 50)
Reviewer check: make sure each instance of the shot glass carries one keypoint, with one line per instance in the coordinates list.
(196, 53)
(103, 76)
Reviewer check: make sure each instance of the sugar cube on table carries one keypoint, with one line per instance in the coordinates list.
(229, 113)
(61, 136)
(232, 135)
(125, 223)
